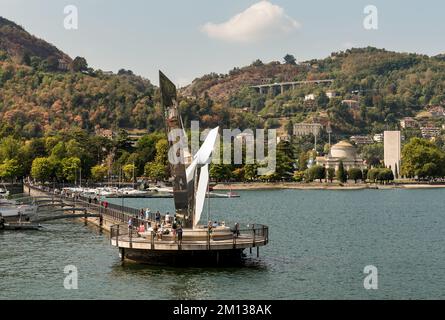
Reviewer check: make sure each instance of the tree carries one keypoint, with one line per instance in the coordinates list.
(331, 174)
(59, 151)
(341, 173)
(422, 159)
(70, 167)
(299, 176)
(290, 59)
(79, 64)
(373, 175)
(373, 154)
(9, 148)
(155, 171)
(289, 128)
(162, 148)
(317, 173)
(250, 172)
(385, 175)
(257, 63)
(99, 172)
(41, 169)
(51, 64)
(74, 149)
(129, 171)
(220, 172)
(355, 174)
(322, 99)
(365, 174)
(10, 169)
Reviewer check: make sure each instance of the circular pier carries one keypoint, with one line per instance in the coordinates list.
(223, 246)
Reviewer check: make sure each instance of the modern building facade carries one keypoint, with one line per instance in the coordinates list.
(392, 151)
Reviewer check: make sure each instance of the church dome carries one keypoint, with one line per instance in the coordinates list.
(344, 150)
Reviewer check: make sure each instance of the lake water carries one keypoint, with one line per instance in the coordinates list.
(320, 243)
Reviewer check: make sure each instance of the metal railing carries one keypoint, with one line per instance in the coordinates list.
(257, 233)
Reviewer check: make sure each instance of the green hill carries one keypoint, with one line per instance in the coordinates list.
(43, 90)
(39, 92)
(387, 85)
(20, 46)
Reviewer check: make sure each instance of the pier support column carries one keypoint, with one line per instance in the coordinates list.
(257, 252)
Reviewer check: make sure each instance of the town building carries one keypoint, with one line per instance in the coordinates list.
(309, 97)
(436, 111)
(283, 138)
(408, 123)
(331, 94)
(342, 151)
(105, 133)
(430, 131)
(305, 129)
(353, 104)
(392, 151)
(360, 140)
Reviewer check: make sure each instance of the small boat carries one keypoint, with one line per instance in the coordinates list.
(19, 226)
(232, 194)
(11, 210)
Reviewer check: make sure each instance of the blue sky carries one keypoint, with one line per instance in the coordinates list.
(188, 38)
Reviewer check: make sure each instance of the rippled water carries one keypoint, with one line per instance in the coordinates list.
(320, 243)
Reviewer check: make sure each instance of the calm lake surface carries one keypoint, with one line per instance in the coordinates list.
(320, 243)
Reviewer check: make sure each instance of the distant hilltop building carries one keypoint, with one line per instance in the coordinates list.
(436, 111)
(392, 151)
(309, 97)
(283, 138)
(378, 137)
(305, 129)
(105, 133)
(331, 94)
(430, 131)
(342, 151)
(360, 140)
(408, 122)
(352, 104)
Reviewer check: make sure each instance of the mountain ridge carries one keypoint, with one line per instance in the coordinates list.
(20, 45)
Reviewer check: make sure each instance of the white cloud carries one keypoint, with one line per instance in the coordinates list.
(260, 21)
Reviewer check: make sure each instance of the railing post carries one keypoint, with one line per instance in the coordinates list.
(234, 240)
(253, 229)
(130, 231)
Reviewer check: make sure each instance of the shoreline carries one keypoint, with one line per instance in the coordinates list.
(300, 186)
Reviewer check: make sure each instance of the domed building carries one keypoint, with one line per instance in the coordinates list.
(342, 151)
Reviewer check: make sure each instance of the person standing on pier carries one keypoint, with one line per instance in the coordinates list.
(158, 217)
(147, 214)
(174, 229)
(179, 231)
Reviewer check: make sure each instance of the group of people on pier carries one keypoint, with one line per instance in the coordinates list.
(157, 226)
